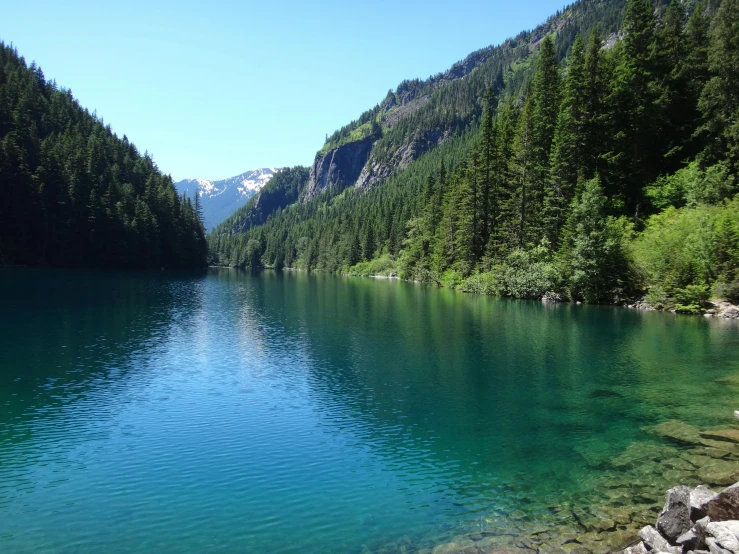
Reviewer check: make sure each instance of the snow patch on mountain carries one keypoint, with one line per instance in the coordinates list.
(220, 199)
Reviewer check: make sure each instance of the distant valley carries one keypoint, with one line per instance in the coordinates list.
(220, 199)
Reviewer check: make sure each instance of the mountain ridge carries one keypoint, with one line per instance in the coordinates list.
(221, 198)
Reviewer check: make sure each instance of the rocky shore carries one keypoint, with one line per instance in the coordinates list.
(623, 508)
(693, 521)
(717, 308)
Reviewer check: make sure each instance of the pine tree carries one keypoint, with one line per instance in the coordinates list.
(633, 111)
(593, 111)
(719, 101)
(488, 178)
(368, 244)
(595, 251)
(467, 239)
(198, 207)
(569, 143)
(546, 99)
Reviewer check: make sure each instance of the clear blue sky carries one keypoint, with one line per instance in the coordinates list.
(212, 89)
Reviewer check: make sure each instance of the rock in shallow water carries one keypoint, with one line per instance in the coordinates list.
(724, 435)
(636, 549)
(677, 431)
(674, 520)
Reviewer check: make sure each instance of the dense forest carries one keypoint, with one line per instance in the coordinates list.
(613, 173)
(76, 195)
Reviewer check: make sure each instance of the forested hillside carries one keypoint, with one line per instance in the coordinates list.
(74, 194)
(597, 169)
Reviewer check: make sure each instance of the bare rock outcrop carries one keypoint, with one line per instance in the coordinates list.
(338, 168)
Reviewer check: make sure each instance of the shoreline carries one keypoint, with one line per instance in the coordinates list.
(719, 308)
(654, 500)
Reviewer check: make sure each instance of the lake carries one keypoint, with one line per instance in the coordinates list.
(286, 412)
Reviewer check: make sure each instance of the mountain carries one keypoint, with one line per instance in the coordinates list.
(219, 199)
(74, 194)
(594, 159)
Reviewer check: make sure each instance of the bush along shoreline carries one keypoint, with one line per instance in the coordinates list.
(696, 299)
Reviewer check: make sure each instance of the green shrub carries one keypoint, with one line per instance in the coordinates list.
(481, 283)
(527, 273)
(451, 279)
(677, 248)
(657, 298)
(688, 309)
(728, 291)
(692, 295)
(384, 265)
(692, 186)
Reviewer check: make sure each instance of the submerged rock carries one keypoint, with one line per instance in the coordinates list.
(678, 432)
(719, 472)
(724, 435)
(636, 549)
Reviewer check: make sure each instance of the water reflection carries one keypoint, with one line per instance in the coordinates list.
(306, 412)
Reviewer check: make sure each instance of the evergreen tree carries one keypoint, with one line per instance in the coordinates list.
(489, 178)
(635, 154)
(545, 98)
(569, 142)
(593, 108)
(74, 193)
(719, 101)
(596, 257)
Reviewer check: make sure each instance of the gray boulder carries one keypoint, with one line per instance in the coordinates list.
(725, 505)
(700, 496)
(690, 540)
(695, 539)
(724, 535)
(715, 548)
(656, 542)
(674, 520)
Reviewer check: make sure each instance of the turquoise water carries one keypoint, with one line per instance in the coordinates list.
(286, 412)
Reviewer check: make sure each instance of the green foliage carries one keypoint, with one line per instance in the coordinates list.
(451, 279)
(379, 266)
(595, 179)
(688, 250)
(691, 299)
(597, 262)
(691, 186)
(481, 283)
(658, 298)
(527, 273)
(729, 290)
(74, 194)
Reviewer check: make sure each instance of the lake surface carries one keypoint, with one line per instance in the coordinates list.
(286, 412)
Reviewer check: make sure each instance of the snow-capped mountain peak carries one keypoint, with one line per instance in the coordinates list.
(220, 199)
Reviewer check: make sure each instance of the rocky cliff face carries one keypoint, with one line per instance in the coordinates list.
(375, 172)
(337, 168)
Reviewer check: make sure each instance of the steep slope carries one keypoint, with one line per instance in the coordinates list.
(220, 199)
(74, 194)
(419, 116)
(612, 174)
(285, 189)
